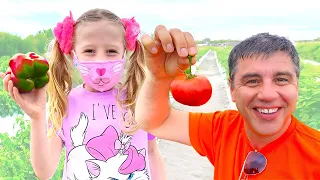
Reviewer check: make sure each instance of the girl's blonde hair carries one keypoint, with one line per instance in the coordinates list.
(61, 67)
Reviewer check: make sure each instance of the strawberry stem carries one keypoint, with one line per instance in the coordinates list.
(190, 75)
(190, 63)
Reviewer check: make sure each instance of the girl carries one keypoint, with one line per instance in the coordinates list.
(94, 120)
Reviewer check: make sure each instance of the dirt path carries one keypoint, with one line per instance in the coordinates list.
(183, 162)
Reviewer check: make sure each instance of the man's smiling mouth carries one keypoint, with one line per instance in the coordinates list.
(267, 111)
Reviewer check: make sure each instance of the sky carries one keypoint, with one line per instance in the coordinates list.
(214, 19)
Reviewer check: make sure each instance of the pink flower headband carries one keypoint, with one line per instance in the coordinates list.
(64, 32)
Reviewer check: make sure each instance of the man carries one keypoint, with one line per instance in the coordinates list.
(261, 140)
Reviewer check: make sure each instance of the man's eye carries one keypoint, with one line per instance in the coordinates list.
(252, 81)
(282, 80)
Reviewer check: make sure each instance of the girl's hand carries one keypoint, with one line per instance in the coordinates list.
(167, 54)
(32, 103)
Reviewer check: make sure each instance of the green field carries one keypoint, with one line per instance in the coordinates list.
(202, 50)
(309, 50)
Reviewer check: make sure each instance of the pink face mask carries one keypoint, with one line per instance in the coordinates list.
(100, 75)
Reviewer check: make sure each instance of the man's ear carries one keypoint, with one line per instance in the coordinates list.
(231, 89)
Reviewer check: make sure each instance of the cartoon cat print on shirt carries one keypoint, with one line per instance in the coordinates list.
(107, 156)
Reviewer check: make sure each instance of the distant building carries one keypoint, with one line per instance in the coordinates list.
(202, 44)
(225, 44)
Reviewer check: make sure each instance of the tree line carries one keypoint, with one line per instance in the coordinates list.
(11, 44)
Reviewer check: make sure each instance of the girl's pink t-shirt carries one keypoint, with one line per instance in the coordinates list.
(95, 146)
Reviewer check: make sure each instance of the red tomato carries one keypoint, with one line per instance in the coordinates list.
(194, 91)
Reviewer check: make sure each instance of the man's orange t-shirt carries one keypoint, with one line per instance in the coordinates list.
(221, 137)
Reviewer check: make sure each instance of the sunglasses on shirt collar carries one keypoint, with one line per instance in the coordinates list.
(254, 164)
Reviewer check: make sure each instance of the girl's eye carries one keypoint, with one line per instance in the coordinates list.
(89, 51)
(112, 51)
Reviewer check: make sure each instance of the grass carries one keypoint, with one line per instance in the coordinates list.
(222, 53)
(202, 50)
(309, 50)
